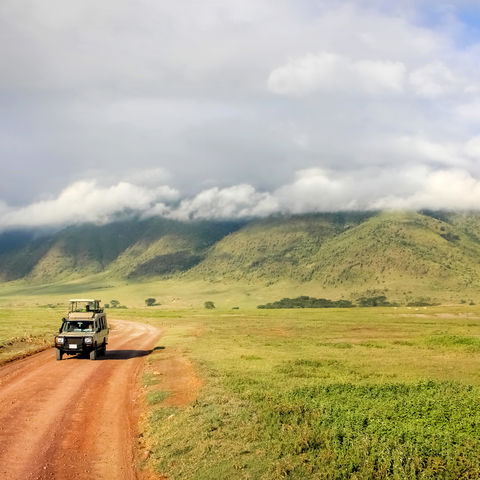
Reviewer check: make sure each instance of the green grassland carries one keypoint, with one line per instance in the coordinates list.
(304, 393)
(337, 393)
(25, 330)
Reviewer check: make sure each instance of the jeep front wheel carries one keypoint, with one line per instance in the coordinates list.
(58, 354)
(93, 354)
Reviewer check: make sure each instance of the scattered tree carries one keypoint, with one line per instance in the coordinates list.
(114, 303)
(209, 305)
(150, 301)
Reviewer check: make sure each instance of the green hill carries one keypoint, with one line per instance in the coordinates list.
(275, 248)
(405, 253)
(121, 249)
(401, 255)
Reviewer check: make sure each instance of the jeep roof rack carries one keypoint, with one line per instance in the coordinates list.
(84, 300)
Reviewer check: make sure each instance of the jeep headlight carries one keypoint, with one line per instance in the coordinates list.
(60, 340)
(88, 340)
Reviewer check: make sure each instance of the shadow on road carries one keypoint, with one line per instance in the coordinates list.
(124, 354)
(118, 354)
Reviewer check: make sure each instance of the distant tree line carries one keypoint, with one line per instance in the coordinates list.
(312, 302)
(308, 302)
(377, 301)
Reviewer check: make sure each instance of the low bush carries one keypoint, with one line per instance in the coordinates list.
(308, 302)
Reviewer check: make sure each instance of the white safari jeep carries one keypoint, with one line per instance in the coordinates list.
(85, 330)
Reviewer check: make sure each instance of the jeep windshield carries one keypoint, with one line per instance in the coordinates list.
(78, 326)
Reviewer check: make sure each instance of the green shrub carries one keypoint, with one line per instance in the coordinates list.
(421, 302)
(150, 301)
(378, 301)
(308, 302)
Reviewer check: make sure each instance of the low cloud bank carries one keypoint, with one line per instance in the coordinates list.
(312, 190)
(86, 201)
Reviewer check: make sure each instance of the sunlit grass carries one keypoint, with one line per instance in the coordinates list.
(362, 393)
(27, 329)
(355, 393)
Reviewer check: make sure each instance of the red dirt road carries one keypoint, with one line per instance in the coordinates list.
(77, 418)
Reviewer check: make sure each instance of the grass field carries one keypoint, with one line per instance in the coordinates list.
(25, 330)
(325, 393)
(170, 294)
(354, 393)
(175, 294)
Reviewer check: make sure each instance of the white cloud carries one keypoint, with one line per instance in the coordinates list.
(316, 190)
(311, 190)
(433, 80)
(444, 189)
(152, 177)
(423, 149)
(472, 147)
(469, 112)
(404, 188)
(332, 72)
(86, 201)
(232, 202)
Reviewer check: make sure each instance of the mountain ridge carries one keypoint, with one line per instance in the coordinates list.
(397, 252)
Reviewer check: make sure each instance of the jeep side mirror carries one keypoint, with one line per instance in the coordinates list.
(60, 329)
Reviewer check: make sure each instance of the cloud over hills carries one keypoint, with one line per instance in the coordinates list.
(311, 190)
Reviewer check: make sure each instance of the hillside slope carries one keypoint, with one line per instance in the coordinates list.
(400, 252)
(406, 254)
(275, 248)
(121, 249)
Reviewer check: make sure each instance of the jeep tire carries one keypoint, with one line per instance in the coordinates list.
(93, 354)
(58, 354)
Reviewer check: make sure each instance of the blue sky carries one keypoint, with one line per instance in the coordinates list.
(226, 109)
(470, 19)
(461, 19)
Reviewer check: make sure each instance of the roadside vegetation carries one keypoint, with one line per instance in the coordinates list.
(25, 330)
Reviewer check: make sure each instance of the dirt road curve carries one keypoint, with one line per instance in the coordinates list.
(74, 419)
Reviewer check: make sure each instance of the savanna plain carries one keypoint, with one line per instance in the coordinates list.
(362, 393)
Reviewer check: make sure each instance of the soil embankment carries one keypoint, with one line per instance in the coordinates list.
(75, 418)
